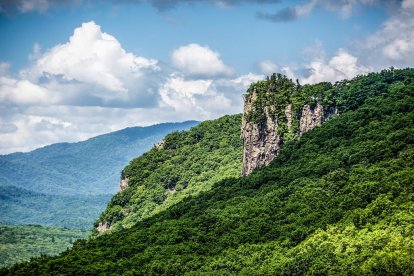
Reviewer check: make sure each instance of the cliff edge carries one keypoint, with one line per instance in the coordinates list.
(277, 110)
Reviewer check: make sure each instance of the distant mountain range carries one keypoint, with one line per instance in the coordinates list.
(69, 184)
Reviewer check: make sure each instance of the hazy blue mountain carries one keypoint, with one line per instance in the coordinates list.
(55, 184)
(89, 167)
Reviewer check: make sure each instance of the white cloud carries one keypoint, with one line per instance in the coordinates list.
(206, 99)
(23, 92)
(267, 67)
(341, 66)
(193, 97)
(393, 44)
(95, 58)
(199, 61)
(90, 85)
(244, 81)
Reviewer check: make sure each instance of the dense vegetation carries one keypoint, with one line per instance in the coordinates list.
(19, 206)
(275, 93)
(340, 200)
(69, 184)
(187, 163)
(20, 243)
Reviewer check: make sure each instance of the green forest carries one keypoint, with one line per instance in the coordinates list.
(22, 242)
(69, 184)
(188, 162)
(337, 200)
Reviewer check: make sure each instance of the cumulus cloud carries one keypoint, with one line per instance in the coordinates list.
(90, 85)
(341, 66)
(393, 43)
(199, 61)
(23, 92)
(204, 99)
(319, 67)
(92, 69)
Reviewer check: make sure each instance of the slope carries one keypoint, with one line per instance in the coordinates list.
(338, 200)
(88, 167)
(20, 243)
(21, 206)
(69, 184)
(187, 163)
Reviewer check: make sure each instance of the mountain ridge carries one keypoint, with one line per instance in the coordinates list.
(82, 175)
(338, 200)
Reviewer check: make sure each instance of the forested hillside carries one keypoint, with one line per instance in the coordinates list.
(21, 242)
(339, 200)
(87, 167)
(185, 163)
(19, 206)
(69, 184)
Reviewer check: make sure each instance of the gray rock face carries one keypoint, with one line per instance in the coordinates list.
(311, 117)
(103, 227)
(160, 144)
(123, 184)
(262, 141)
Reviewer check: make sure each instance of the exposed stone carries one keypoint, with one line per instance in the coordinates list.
(289, 115)
(262, 141)
(311, 117)
(160, 144)
(123, 184)
(103, 227)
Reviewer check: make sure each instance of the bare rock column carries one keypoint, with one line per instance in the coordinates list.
(262, 139)
(311, 117)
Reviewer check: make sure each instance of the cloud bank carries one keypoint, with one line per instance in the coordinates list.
(91, 85)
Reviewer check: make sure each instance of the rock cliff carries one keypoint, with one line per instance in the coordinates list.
(273, 115)
(123, 184)
(261, 140)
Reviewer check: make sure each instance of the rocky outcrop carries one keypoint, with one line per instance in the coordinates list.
(103, 227)
(160, 144)
(311, 117)
(262, 139)
(289, 116)
(123, 184)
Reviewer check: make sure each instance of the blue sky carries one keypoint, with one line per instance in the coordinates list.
(73, 69)
(235, 32)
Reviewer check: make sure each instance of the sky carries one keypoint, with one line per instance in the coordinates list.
(74, 69)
